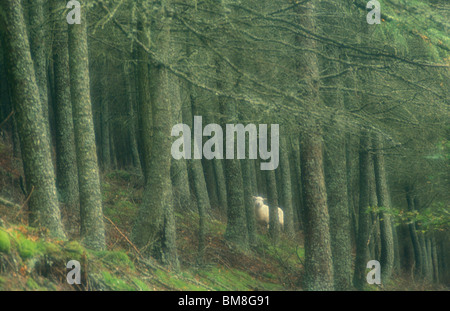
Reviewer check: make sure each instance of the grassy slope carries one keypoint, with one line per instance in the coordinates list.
(31, 260)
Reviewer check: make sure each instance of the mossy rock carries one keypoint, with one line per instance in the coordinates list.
(5, 243)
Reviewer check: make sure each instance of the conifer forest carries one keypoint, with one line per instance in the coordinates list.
(224, 145)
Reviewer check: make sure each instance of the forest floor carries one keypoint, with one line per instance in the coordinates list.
(31, 260)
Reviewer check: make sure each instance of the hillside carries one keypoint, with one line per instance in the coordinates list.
(31, 260)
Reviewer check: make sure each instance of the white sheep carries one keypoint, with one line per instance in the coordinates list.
(262, 212)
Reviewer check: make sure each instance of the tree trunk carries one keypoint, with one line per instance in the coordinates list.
(387, 238)
(67, 171)
(286, 189)
(31, 123)
(362, 251)
(92, 226)
(435, 260)
(272, 199)
(249, 192)
(221, 184)
(145, 127)
(413, 234)
(154, 229)
(105, 120)
(236, 231)
(340, 230)
(318, 256)
(38, 46)
(198, 178)
(179, 168)
(298, 177)
(132, 121)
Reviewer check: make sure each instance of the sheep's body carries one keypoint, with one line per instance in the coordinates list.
(262, 213)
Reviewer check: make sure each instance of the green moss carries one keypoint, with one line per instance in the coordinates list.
(74, 246)
(116, 259)
(31, 284)
(51, 248)
(27, 249)
(141, 286)
(115, 283)
(176, 281)
(5, 243)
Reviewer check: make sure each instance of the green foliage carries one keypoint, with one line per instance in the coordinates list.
(116, 259)
(141, 286)
(31, 284)
(27, 248)
(433, 218)
(115, 283)
(5, 243)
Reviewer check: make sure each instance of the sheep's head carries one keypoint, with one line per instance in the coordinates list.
(258, 200)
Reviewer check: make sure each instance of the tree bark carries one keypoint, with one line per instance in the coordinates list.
(413, 234)
(105, 141)
(67, 171)
(362, 250)
(272, 199)
(38, 46)
(286, 189)
(179, 168)
(92, 226)
(387, 238)
(318, 256)
(154, 229)
(31, 123)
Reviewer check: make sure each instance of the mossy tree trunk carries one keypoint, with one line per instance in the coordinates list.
(179, 170)
(196, 172)
(31, 123)
(387, 237)
(38, 32)
(286, 188)
(66, 165)
(144, 107)
(336, 182)
(249, 192)
(318, 256)
(362, 249)
(236, 231)
(295, 155)
(340, 229)
(131, 128)
(154, 229)
(413, 234)
(425, 272)
(221, 184)
(272, 200)
(92, 225)
(105, 137)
